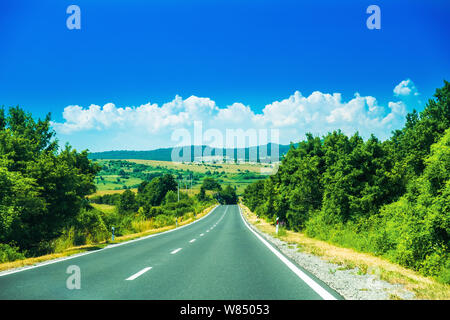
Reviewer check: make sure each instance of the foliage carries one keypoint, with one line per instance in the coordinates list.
(111, 199)
(391, 198)
(211, 184)
(9, 253)
(127, 202)
(228, 195)
(42, 189)
(202, 194)
(153, 193)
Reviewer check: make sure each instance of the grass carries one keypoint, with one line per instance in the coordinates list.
(424, 287)
(35, 260)
(191, 192)
(225, 173)
(96, 246)
(103, 192)
(109, 182)
(199, 167)
(106, 208)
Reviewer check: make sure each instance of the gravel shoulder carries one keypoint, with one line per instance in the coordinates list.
(351, 284)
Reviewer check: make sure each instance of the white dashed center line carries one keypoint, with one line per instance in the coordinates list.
(192, 240)
(176, 250)
(134, 276)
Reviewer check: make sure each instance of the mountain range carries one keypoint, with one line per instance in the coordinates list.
(195, 154)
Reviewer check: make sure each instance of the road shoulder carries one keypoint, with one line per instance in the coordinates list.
(349, 281)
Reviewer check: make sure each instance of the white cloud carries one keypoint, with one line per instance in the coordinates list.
(150, 125)
(406, 88)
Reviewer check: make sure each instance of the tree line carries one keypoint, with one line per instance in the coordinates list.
(390, 198)
(42, 188)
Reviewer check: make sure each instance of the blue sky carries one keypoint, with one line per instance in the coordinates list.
(242, 56)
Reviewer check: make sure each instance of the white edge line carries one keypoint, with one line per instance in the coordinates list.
(20, 269)
(134, 276)
(310, 282)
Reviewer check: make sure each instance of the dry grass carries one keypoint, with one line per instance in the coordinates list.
(191, 192)
(227, 167)
(33, 261)
(84, 248)
(423, 287)
(106, 208)
(103, 192)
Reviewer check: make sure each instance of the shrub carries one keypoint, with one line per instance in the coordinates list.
(90, 227)
(163, 220)
(444, 275)
(10, 253)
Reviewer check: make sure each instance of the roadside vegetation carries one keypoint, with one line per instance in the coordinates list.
(46, 203)
(42, 188)
(155, 204)
(129, 174)
(347, 258)
(390, 198)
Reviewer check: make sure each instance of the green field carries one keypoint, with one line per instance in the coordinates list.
(124, 174)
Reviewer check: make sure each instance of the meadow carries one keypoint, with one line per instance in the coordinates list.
(118, 175)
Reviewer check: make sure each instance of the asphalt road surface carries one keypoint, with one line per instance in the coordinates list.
(217, 257)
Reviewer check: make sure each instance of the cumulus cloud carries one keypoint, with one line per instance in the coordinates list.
(318, 113)
(406, 88)
(147, 117)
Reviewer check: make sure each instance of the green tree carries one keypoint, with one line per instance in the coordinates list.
(171, 197)
(53, 184)
(391, 198)
(128, 202)
(211, 184)
(202, 194)
(228, 195)
(153, 193)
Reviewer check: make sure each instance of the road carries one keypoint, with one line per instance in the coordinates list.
(217, 257)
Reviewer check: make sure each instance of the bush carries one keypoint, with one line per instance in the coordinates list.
(154, 211)
(111, 199)
(9, 253)
(163, 220)
(171, 197)
(90, 227)
(444, 275)
(127, 202)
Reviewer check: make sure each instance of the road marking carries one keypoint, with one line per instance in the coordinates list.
(134, 276)
(201, 235)
(310, 282)
(176, 250)
(192, 240)
(20, 269)
(41, 264)
(207, 230)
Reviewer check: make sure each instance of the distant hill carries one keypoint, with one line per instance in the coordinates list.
(165, 154)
